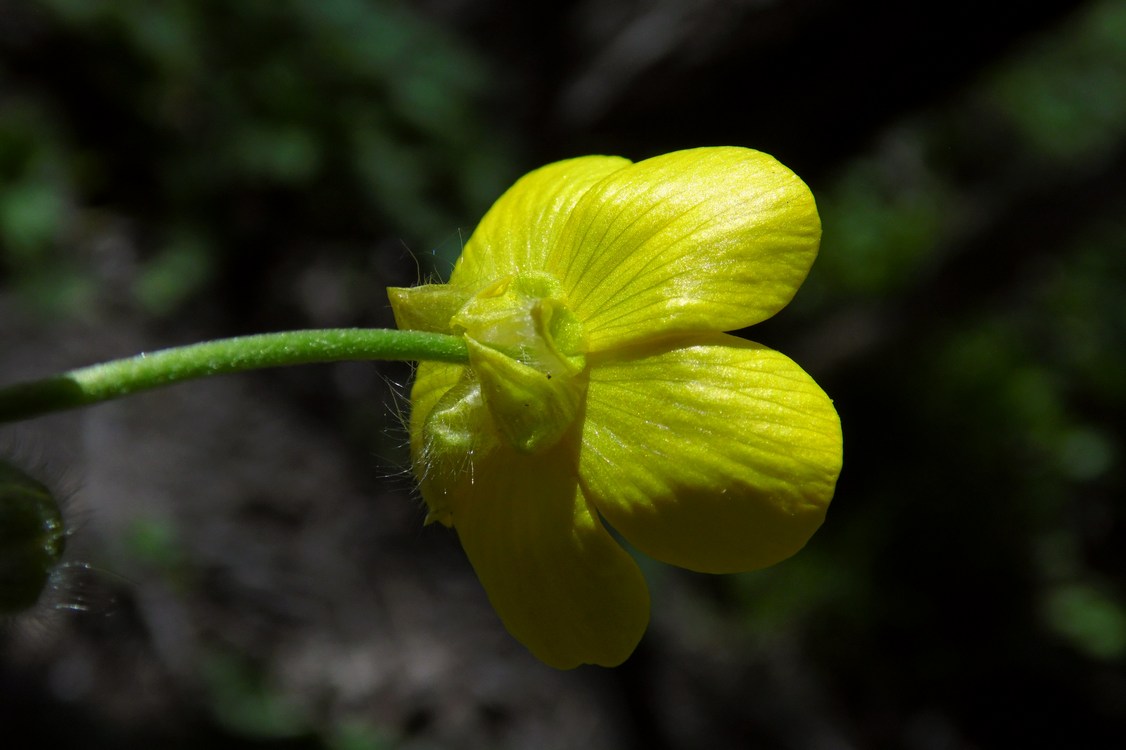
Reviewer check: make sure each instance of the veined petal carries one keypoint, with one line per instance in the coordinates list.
(709, 239)
(711, 453)
(560, 583)
(516, 234)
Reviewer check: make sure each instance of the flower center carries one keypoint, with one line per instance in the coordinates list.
(526, 349)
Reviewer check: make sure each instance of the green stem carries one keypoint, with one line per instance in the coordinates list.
(122, 377)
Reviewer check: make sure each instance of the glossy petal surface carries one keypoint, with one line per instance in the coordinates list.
(711, 239)
(526, 222)
(714, 454)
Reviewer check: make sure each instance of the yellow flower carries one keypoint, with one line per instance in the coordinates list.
(593, 298)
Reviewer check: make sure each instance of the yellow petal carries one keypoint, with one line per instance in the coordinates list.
(711, 453)
(516, 234)
(709, 239)
(560, 583)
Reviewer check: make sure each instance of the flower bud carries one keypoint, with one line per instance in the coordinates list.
(32, 539)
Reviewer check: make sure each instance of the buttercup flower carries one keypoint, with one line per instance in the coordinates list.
(593, 298)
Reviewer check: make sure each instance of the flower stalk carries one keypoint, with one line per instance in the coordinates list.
(124, 377)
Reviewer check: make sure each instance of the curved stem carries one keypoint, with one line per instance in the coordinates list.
(122, 377)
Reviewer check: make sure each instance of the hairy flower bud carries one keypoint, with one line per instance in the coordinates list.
(32, 539)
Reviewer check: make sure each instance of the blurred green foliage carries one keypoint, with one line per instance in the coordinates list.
(233, 135)
(1066, 97)
(246, 704)
(979, 530)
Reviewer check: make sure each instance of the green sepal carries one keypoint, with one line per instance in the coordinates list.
(456, 430)
(429, 307)
(531, 408)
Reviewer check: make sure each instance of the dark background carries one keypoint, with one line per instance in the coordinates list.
(251, 550)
